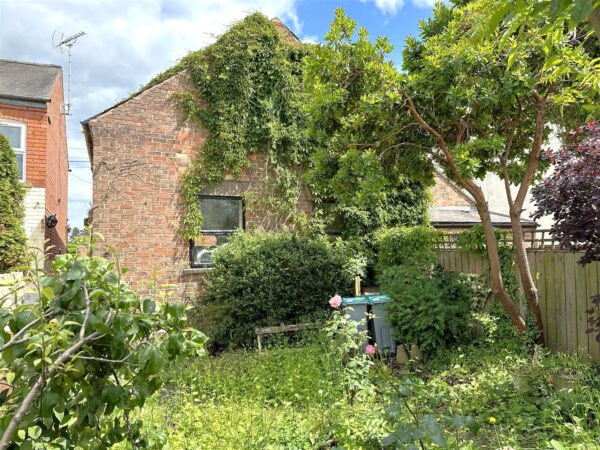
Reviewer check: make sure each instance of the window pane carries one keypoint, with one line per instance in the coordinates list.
(221, 214)
(202, 252)
(20, 164)
(203, 256)
(13, 134)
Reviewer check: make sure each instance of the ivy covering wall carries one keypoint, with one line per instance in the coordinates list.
(249, 92)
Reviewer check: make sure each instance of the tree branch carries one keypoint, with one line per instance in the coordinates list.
(38, 387)
(536, 150)
(469, 185)
(15, 339)
(88, 308)
(105, 360)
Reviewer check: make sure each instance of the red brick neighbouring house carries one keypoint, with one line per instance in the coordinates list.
(140, 148)
(31, 116)
(453, 210)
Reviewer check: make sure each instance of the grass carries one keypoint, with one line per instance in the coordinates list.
(291, 398)
(285, 398)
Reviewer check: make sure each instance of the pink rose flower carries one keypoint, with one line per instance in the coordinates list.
(335, 301)
(370, 350)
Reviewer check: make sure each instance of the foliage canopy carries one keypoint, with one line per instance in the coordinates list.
(361, 175)
(83, 356)
(571, 193)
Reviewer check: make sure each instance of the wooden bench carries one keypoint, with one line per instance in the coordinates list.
(262, 332)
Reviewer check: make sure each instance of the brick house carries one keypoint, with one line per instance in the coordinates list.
(453, 210)
(138, 151)
(31, 117)
(140, 148)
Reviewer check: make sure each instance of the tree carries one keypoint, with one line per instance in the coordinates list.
(12, 236)
(557, 13)
(358, 178)
(485, 107)
(89, 351)
(571, 194)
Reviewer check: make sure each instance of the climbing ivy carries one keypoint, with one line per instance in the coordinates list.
(247, 92)
(256, 92)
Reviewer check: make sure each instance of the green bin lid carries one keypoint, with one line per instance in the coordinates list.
(369, 299)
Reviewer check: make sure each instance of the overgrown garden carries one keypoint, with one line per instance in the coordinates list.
(90, 364)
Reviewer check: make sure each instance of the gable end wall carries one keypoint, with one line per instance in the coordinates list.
(141, 149)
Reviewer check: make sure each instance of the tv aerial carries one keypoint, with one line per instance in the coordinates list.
(64, 44)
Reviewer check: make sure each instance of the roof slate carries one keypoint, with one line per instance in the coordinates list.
(27, 81)
(465, 216)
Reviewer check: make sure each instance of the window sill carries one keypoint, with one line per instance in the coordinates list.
(196, 270)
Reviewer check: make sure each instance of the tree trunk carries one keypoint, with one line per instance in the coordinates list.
(594, 19)
(529, 287)
(495, 269)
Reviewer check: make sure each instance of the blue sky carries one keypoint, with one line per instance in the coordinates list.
(127, 42)
(316, 15)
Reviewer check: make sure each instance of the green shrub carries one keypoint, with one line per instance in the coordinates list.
(430, 307)
(406, 245)
(12, 236)
(264, 279)
(84, 356)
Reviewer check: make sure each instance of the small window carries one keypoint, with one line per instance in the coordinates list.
(222, 216)
(15, 133)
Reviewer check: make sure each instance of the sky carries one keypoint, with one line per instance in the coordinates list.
(127, 42)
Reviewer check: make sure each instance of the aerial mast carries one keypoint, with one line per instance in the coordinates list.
(64, 45)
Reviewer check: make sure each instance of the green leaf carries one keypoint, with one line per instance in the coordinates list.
(99, 326)
(175, 344)
(433, 431)
(34, 432)
(581, 10)
(151, 360)
(48, 292)
(557, 445)
(76, 272)
(149, 306)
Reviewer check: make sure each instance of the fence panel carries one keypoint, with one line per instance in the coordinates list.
(565, 290)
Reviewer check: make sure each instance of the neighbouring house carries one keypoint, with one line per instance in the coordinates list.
(453, 210)
(32, 118)
(140, 148)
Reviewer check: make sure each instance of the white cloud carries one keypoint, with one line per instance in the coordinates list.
(393, 6)
(127, 43)
(424, 3)
(311, 39)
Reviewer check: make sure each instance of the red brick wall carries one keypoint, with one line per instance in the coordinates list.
(444, 193)
(37, 124)
(141, 148)
(56, 173)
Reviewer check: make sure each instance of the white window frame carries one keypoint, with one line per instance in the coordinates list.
(22, 150)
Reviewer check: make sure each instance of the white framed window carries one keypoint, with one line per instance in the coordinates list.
(16, 133)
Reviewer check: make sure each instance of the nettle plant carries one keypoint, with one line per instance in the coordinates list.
(78, 360)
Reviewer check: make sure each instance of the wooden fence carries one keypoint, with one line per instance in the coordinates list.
(565, 289)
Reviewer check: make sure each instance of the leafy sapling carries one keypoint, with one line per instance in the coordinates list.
(84, 356)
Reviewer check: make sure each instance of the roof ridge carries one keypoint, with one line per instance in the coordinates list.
(30, 63)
